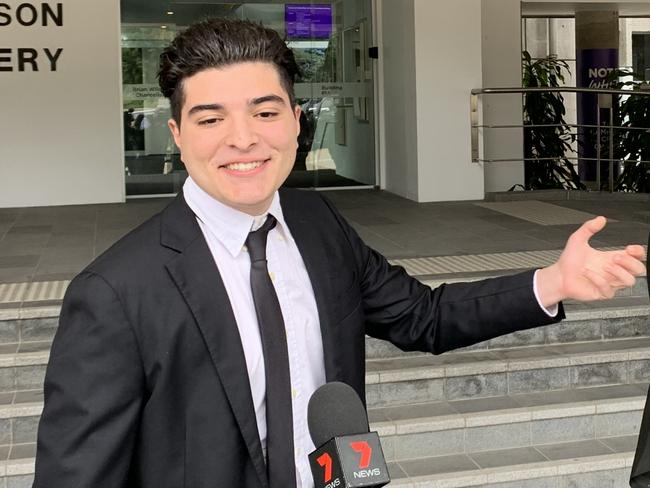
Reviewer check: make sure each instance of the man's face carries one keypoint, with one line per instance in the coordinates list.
(238, 134)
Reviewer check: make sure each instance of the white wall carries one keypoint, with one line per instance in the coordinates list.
(399, 98)
(448, 66)
(501, 54)
(60, 132)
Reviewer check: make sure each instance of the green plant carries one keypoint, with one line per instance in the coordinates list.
(548, 138)
(632, 142)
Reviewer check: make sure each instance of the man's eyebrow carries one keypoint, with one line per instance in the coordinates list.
(208, 106)
(267, 98)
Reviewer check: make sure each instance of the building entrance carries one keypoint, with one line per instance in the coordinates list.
(336, 145)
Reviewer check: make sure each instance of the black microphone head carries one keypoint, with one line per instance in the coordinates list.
(335, 410)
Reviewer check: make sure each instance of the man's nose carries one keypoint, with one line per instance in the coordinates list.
(241, 134)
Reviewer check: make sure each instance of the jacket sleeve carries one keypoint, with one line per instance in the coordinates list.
(411, 315)
(93, 392)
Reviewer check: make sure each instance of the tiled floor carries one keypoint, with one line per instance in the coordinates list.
(54, 243)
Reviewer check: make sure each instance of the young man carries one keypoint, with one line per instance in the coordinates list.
(187, 353)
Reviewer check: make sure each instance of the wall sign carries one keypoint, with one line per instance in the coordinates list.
(32, 16)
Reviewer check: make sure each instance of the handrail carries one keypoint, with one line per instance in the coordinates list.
(569, 89)
(475, 126)
(578, 126)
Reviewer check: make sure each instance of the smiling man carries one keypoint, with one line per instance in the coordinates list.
(187, 353)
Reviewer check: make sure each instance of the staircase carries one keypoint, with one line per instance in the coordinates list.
(558, 406)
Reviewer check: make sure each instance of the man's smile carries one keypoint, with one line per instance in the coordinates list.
(244, 167)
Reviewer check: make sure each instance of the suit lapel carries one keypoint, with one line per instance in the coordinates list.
(310, 243)
(198, 279)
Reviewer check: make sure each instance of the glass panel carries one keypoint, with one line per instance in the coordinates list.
(151, 159)
(536, 37)
(330, 41)
(635, 46)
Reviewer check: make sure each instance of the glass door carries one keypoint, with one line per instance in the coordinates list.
(330, 41)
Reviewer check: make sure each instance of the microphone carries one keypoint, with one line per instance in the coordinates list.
(349, 455)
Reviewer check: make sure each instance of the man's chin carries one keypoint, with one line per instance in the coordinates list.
(252, 206)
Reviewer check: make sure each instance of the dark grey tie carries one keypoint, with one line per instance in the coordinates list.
(280, 462)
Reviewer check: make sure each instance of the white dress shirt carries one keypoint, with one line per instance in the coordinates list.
(225, 230)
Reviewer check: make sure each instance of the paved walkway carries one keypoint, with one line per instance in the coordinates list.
(51, 244)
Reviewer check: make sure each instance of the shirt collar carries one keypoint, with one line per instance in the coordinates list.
(228, 225)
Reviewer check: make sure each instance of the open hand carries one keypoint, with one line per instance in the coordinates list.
(584, 273)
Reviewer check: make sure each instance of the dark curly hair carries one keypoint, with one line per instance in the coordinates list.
(216, 42)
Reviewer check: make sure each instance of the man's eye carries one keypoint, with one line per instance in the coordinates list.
(208, 121)
(267, 115)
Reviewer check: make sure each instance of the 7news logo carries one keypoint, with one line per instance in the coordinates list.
(352, 461)
(365, 456)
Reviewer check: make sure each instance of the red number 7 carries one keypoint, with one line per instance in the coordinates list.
(365, 450)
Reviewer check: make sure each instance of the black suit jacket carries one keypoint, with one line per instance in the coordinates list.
(147, 384)
(640, 476)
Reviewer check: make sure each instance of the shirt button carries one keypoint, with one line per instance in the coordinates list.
(272, 275)
(244, 249)
(280, 238)
(294, 392)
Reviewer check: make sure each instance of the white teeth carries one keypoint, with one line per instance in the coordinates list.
(244, 166)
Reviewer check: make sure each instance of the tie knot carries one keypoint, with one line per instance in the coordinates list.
(256, 240)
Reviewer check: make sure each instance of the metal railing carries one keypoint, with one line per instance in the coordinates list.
(604, 100)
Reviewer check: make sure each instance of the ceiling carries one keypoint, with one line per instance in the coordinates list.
(562, 8)
(155, 12)
(185, 11)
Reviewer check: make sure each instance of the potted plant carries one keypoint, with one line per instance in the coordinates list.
(547, 139)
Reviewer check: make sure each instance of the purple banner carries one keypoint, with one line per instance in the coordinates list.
(593, 66)
(310, 21)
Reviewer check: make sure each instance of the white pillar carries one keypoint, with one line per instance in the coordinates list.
(431, 61)
(501, 55)
(400, 142)
(448, 65)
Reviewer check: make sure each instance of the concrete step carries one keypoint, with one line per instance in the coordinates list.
(499, 372)
(22, 366)
(595, 464)
(550, 442)
(619, 318)
(508, 422)
(566, 465)
(553, 468)
(17, 465)
(615, 319)
(36, 319)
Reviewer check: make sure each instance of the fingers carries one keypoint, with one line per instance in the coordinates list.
(622, 277)
(636, 251)
(588, 229)
(631, 264)
(601, 285)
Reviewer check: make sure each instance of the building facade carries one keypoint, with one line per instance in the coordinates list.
(385, 93)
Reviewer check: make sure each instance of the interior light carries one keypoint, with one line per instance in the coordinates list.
(163, 26)
(170, 12)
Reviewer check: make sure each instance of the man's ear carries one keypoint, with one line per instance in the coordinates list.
(175, 129)
(296, 113)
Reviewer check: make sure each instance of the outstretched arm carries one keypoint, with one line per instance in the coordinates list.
(584, 273)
